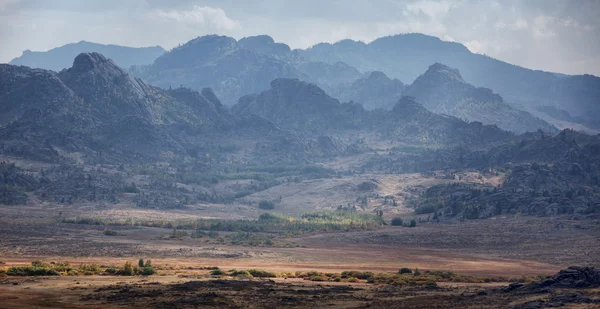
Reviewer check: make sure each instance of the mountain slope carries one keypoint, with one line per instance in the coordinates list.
(60, 58)
(406, 56)
(443, 90)
(303, 107)
(372, 90)
(97, 110)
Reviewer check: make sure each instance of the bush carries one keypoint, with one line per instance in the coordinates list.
(431, 284)
(218, 272)
(241, 274)
(320, 277)
(266, 205)
(146, 271)
(126, 270)
(110, 233)
(111, 270)
(261, 273)
(404, 270)
(417, 272)
(413, 223)
(31, 271)
(89, 268)
(397, 222)
(357, 274)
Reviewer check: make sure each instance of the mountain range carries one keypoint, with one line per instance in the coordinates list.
(61, 57)
(97, 114)
(373, 75)
(406, 56)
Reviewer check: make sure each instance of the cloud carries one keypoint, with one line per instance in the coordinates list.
(553, 35)
(6, 4)
(198, 16)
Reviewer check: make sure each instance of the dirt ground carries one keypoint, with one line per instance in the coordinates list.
(177, 291)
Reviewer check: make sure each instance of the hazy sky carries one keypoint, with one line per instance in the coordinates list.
(552, 35)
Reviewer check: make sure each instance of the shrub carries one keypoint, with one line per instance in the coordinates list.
(417, 272)
(357, 274)
(61, 266)
(320, 277)
(266, 205)
(31, 271)
(111, 270)
(89, 268)
(217, 272)
(261, 273)
(241, 274)
(146, 271)
(352, 279)
(404, 270)
(431, 284)
(126, 270)
(110, 233)
(397, 222)
(413, 223)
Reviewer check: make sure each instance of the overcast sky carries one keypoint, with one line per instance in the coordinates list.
(552, 35)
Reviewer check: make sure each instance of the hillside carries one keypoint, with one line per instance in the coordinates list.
(61, 57)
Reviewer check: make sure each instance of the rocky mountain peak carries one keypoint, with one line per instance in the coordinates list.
(264, 44)
(443, 73)
(85, 62)
(407, 106)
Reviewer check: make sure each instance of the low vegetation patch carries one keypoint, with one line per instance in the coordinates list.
(39, 268)
(267, 222)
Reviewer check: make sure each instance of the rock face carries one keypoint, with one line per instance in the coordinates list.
(443, 90)
(575, 278)
(62, 57)
(572, 277)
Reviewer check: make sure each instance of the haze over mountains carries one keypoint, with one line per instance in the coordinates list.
(62, 57)
(375, 76)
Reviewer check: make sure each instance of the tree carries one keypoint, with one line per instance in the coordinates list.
(417, 272)
(141, 263)
(397, 222)
(266, 205)
(413, 223)
(405, 270)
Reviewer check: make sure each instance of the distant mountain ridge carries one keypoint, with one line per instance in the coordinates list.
(406, 56)
(62, 57)
(237, 68)
(373, 75)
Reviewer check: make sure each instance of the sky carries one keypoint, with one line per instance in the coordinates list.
(552, 35)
